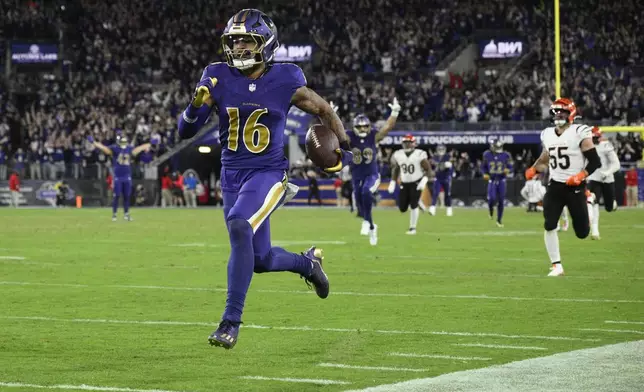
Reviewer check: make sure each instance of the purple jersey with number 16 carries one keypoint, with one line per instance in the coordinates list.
(252, 114)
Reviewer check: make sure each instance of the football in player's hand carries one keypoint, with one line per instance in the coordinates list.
(321, 145)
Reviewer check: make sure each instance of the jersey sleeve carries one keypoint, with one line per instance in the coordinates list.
(296, 78)
(423, 155)
(584, 132)
(214, 70)
(115, 149)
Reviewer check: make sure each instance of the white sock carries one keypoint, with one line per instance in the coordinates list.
(552, 245)
(594, 221)
(413, 218)
(591, 213)
(564, 215)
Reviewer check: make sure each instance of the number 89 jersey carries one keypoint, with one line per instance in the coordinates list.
(410, 167)
(566, 157)
(364, 151)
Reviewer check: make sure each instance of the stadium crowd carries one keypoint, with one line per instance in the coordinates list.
(132, 65)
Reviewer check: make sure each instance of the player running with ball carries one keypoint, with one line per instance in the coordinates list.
(569, 150)
(252, 96)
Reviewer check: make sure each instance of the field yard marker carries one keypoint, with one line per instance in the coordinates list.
(499, 346)
(612, 330)
(296, 380)
(624, 322)
(81, 387)
(384, 368)
(347, 293)
(298, 328)
(436, 356)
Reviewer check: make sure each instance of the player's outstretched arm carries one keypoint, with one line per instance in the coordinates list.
(395, 172)
(427, 168)
(539, 166)
(106, 150)
(594, 163)
(198, 110)
(391, 121)
(310, 102)
(139, 149)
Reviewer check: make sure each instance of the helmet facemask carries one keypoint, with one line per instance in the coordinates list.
(244, 51)
(560, 117)
(408, 145)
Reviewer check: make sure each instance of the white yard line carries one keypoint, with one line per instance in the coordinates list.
(296, 380)
(482, 275)
(624, 322)
(300, 328)
(436, 356)
(499, 346)
(611, 368)
(612, 330)
(81, 387)
(344, 293)
(379, 368)
(11, 258)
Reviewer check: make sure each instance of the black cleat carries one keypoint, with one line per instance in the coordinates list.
(226, 335)
(318, 278)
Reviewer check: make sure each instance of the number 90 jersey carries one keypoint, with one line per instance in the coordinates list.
(566, 158)
(411, 169)
(364, 151)
(252, 114)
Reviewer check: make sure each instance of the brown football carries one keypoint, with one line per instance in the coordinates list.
(321, 144)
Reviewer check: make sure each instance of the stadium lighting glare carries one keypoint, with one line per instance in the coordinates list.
(204, 149)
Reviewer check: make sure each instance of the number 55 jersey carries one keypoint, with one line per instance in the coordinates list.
(566, 157)
(252, 114)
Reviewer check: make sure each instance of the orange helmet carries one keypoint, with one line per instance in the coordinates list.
(409, 142)
(563, 111)
(597, 134)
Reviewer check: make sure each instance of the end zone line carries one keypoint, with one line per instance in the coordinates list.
(298, 328)
(348, 293)
(385, 368)
(81, 387)
(500, 346)
(296, 380)
(436, 356)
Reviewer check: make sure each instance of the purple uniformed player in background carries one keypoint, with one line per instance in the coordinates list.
(497, 164)
(252, 97)
(443, 169)
(122, 156)
(364, 169)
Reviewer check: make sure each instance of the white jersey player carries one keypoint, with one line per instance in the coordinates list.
(602, 182)
(569, 151)
(411, 165)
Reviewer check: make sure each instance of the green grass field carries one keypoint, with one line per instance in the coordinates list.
(87, 301)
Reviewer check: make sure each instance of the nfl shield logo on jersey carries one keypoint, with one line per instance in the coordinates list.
(252, 87)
